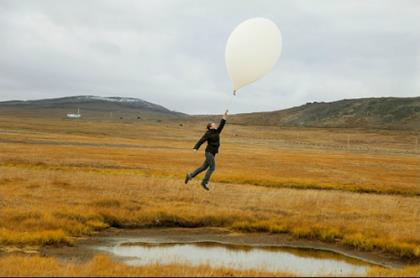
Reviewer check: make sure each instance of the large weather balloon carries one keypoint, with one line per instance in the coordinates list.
(252, 50)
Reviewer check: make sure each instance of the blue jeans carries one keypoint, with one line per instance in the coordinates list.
(209, 163)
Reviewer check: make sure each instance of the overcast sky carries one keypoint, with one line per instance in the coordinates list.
(172, 52)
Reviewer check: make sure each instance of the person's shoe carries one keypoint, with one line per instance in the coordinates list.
(187, 178)
(205, 185)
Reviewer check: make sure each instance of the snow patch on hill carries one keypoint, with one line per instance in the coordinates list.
(118, 99)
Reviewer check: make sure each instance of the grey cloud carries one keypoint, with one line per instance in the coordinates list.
(172, 52)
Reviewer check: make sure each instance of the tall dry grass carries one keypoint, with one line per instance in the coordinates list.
(100, 265)
(103, 266)
(63, 179)
(79, 203)
(410, 271)
(266, 156)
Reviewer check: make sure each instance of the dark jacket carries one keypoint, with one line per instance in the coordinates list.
(213, 139)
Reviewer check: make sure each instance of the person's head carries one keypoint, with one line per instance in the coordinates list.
(211, 126)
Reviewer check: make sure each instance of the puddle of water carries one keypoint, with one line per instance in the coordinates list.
(297, 261)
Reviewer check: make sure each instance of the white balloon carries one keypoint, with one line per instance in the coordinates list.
(252, 50)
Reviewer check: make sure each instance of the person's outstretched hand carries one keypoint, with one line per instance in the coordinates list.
(225, 115)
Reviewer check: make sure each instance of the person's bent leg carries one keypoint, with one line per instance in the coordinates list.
(212, 166)
(199, 169)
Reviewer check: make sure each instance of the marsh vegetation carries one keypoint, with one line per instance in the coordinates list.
(62, 180)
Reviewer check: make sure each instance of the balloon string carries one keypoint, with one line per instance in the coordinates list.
(230, 100)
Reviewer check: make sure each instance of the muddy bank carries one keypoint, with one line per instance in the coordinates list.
(83, 251)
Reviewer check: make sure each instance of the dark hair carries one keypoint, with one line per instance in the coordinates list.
(209, 125)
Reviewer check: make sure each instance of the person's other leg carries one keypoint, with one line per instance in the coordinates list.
(212, 166)
(200, 169)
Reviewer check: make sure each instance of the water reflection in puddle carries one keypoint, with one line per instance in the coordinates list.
(297, 261)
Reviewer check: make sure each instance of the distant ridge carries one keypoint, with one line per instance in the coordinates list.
(91, 106)
(378, 113)
(381, 113)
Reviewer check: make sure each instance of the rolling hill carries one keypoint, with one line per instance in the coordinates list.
(92, 107)
(382, 113)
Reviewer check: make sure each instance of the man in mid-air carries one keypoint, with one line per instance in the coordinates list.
(212, 136)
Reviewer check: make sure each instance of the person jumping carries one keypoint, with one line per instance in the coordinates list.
(212, 136)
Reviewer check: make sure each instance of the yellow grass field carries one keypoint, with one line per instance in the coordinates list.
(104, 266)
(61, 179)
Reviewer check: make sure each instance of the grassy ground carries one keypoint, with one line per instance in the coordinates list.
(104, 266)
(361, 161)
(63, 179)
(411, 271)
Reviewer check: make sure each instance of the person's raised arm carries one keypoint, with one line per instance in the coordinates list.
(222, 122)
(200, 142)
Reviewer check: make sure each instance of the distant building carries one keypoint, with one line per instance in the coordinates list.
(74, 115)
